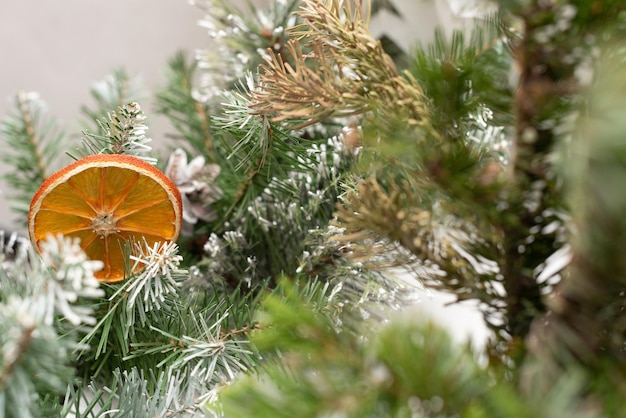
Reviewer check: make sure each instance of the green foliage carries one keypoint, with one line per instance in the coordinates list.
(242, 34)
(464, 77)
(586, 325)
(115, 90)
(188, 116)
(32, 143)
(482, 167)
(44, 309)
(150, 324)
(122, 132)
(401, 369)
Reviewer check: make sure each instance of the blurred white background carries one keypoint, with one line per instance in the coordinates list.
(59, 48)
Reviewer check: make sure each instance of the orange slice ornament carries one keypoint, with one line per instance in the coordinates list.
(107, 200)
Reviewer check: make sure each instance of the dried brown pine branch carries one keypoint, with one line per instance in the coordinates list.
(378, 218)
(345, 71)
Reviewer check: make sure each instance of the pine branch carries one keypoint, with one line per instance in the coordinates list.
(240, 35)
(115, 90)
(465, 76)
(375, 371)
(122, 132)
(447, 253)
(188, 115)
(344, 72)
(586, 329)
(32, 143)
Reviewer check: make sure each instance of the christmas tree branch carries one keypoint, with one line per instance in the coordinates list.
(115, 90)
(240, 36)
(447, 250)
(585, 328)
(188, 115)
(371, 372)
(345, 71)
(45, 306)
(35, 142)
(122, 132)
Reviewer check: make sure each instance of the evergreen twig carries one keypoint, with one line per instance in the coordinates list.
(343, 72)
(116, 89)
(122, 132)
(188, 115)
(32, 143)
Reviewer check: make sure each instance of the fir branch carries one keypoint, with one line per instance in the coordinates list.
(436, 188)
(32, 143)
(115, 90)
(345, 72)
(207, 345)
(159, 277)
(265, 157)
(59, 281)
(33, 359)
(586, 328)
(215, 358)
(158, 320)
(122, 132)
(133, 392)
(325, 369)
(138, 302)
(72, 278)
(188, 115)
(240, 35)
(45, 305)
(10, 360)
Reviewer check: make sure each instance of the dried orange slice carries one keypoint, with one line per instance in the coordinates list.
(107, 200)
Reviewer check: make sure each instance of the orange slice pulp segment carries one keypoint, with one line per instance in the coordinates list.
(107, 200)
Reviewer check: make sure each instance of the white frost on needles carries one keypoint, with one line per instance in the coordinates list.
(160, 275)
(72, 277)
